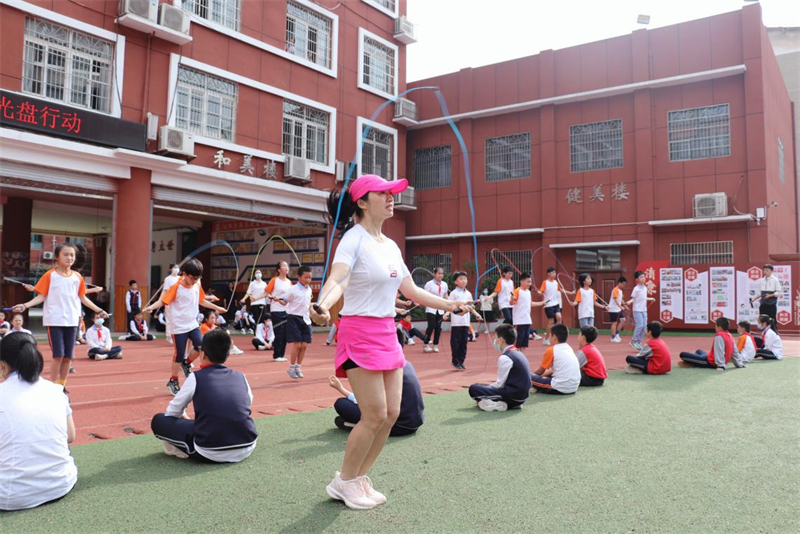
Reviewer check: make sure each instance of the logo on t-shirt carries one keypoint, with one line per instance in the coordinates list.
(392, 271)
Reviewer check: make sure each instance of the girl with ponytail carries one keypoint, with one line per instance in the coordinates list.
(773, 345)
(35, 462)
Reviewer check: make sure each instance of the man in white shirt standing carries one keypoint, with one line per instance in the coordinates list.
(770, 288)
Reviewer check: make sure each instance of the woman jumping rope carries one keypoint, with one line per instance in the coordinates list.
(368, 270)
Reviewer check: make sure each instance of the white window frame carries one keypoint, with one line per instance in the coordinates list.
(118, 56)
(362, 34)
(238, 22)
(669, 142)
(177, 60)
(329, 44)
(594, 141)
(360, 123)
(252, 41)
(204, 112)
(383, 9)
(705, 252)
(305, 125)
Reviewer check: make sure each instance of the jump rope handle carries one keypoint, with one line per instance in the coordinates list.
(317, 309)
(459, 311)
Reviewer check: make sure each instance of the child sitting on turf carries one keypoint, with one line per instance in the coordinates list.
(410, 330)
(593, 366)
(722, 351)
(773, 345)
(745, 344)
(654, 357)
(559, 373)
(137, 330)
(222, 430)
(298, 328)
(265, 335)
(512, 387)
(412, 408)
(98, 337)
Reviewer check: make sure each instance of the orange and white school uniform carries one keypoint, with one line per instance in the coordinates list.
(551, 289)
(566, 375)
(504, 289)
(62, 309)
(521, 315)
(184, 303)
(746, 347)
(586, 299)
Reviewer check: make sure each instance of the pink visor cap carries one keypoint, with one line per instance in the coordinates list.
(372, 182)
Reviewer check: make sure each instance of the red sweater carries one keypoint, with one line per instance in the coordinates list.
(661, 361)
(595, 364)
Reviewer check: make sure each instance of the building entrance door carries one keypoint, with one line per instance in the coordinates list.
(604, 283)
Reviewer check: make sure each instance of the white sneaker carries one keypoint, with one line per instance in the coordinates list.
(122, 338)
(280, 359)
(546, 342)
(436, 348)
(172, 450)
(235, 351)
(351, 492)
(292, 372)
(536, 337)
(631, 370)
(371, 492)
(261, 347)
(100, 357)
(635, 345)
(298, 372)
(411, 342)
(427, 349)
(489, 405)
(616, 339)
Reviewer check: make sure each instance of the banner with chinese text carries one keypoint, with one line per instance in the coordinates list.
(723, 292)
(671, 294)
(695, 296)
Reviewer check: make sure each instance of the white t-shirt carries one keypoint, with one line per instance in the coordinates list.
(255, 289)
(170, 281)
(585, 299)
(460, 319)
(440, 290)
(486, 302)
(617, 299)
(298, 300)
(35, 461)
(566, 369)
(183, 306)
(551, 290)
(265, 334)
(278, 288)
(62, 302)
(376, 270)
(639, 296)
(504, 294)
(521, 313)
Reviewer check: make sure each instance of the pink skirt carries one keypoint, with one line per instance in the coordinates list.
(370, 342)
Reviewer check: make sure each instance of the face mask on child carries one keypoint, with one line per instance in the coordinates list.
(175, 271)
(98, 322)
(485, 291)
(258, 276)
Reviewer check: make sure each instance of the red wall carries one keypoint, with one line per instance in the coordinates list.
(659, 189)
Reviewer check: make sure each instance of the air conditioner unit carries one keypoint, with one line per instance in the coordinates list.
(297, 170)
(405, 112)
(404, 31)
(174, 18)
(405, 200)
(147, 9)
(47, 255)
(710, 205)
(175, 142)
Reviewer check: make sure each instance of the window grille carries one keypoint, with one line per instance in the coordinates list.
(597, 259)
(205, 105)
(699, 133)
(379, 66)
(433, 167)
(781, 168)
(595, 146)
(305, 132)
(308, 35)
(388, 4)
(715, 252)
(508, 157)
(429, 262)
(377, 154)
(522, 260)
(224, 12)
(66, 65)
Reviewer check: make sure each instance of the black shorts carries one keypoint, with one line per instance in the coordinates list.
(297, 331)
(523, 334)
(551, 311)
(616, 316)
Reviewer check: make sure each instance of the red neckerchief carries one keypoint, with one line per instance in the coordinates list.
(99, 334)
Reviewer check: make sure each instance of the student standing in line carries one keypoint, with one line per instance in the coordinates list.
(438, 288)
(503, 291)
(255, 293)
(551, 291)
(133, 300)
(615, 309)
(770, 288)
(521, 311)
(586, 301)
(459, 323)
(639, 300)
(277, 288)
(171, 279)
(62, 291)
(298, 332)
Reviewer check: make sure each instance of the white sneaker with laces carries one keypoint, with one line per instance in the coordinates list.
(351, 492)
(100, 357)
(428, 349)
(412, 342)
(235, 351)
(371, 492)
(281, 359)
(172, 450)
(489, 405)
(436, 348)
(292, 372)
(122, 338)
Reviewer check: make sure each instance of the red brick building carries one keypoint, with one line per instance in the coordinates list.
(273, 95)
(670, 146)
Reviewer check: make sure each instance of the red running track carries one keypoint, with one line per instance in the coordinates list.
(117, 398)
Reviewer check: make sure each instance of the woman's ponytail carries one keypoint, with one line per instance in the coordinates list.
(18, 350)
(341, 210)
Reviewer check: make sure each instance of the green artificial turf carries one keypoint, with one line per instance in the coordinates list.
(695, 451)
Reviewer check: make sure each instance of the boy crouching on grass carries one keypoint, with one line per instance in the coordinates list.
(512, 387)
(222, 430)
